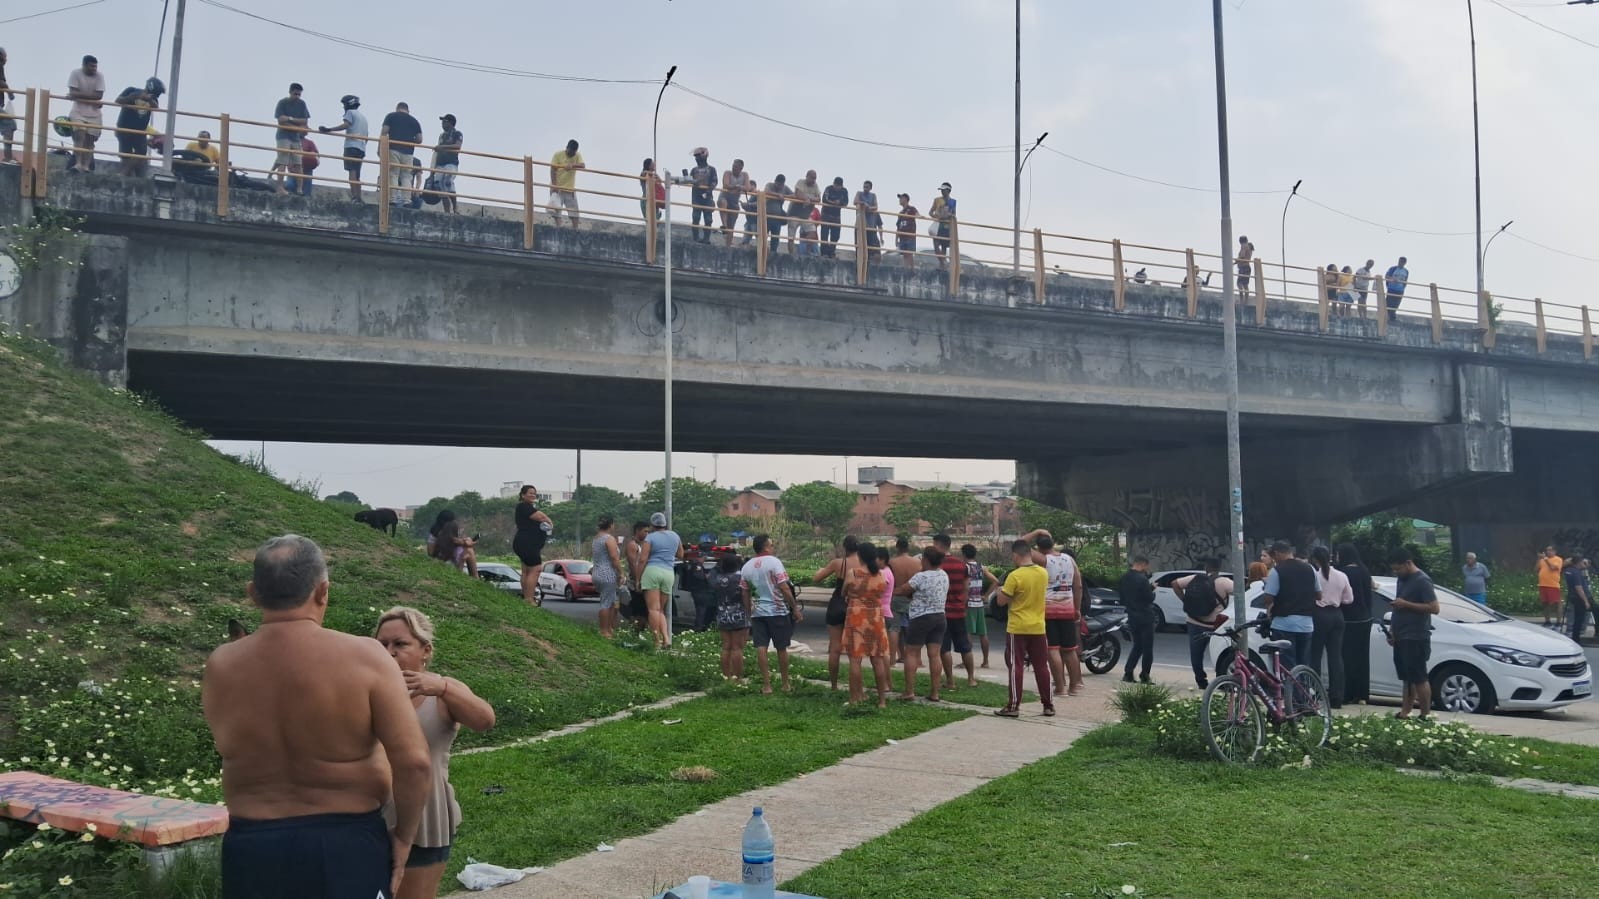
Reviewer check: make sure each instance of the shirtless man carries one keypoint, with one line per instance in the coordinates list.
(905, 566)
(315, 729)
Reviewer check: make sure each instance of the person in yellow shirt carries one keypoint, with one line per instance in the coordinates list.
(205, 148)
(1549, 566)
(563, 181)
(1023, 595)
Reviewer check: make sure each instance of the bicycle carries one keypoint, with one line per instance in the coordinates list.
(1237, 706)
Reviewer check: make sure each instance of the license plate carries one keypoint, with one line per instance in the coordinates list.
(1582, 688)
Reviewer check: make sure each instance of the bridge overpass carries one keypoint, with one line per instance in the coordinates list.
(296, 319)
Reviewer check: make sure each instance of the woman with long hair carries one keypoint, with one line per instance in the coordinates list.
(1357, 625)
(865, 635)
(847, 558)
(1328, 618)
(732, 615)
(533, 530)
(447, 542)
(443, 704)
(607, 574)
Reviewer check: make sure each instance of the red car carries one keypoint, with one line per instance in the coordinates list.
(567, 579)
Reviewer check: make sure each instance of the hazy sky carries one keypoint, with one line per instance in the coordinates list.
(1367, 100)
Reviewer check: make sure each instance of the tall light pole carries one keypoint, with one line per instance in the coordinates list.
(172, 85)
(1282, 237)
(1016, 194)
(1476, 152)
(577, 497)
(1235, 477)
(666, 317)
(1489, 245)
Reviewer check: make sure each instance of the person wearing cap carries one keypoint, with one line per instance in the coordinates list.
(867, 216)
(86, 88)
(404, 133)
(292, 117)
(905, 228)
(353, 124)
(446, 162)
(703, 177)
(663, 549)
(133, 125)
(943, 212)
(563, 181)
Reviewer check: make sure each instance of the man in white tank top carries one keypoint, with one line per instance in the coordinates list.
(1062, 612)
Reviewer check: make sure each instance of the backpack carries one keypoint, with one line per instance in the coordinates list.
(1200, 597)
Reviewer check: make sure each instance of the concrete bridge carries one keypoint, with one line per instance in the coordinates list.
(292, 319)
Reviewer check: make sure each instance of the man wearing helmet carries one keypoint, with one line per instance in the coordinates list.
(354, 128)
(133, 124)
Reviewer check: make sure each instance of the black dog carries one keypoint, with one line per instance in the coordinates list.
(382, 519)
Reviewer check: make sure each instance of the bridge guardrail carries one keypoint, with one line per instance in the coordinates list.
(509, 186)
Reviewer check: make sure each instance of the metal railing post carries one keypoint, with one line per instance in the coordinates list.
(1192, 282)
(1038, 267)
(527, 203)
(386, 178)
(1119, 290)
(224, 165)
(762, 244)
(860, 245)
(1543, 336)
(1437, 314)
(954, 257)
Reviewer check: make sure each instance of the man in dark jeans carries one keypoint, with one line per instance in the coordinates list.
(834, 199)
(1138, 598)
(1410, 631)
(1204, 597)
(1291, 592)
(1579, 595)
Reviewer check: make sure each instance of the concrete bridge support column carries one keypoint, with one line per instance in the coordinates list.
(76, 299)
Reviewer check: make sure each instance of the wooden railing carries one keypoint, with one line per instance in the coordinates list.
(508, 186)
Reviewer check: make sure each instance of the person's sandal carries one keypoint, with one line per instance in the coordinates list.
(1007, 712)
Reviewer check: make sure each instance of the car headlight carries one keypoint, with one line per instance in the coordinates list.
(1512, 656)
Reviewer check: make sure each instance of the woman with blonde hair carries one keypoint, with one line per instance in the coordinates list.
(443, 704)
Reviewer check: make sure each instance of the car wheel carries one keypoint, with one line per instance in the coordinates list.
(1462, 688)
(1160, 620)
(570, 596)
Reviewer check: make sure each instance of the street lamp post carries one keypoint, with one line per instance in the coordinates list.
(1235, 479)
(1476, 153)
(666, 317)
(172, 86)
(1016, 192)
(1282, 237)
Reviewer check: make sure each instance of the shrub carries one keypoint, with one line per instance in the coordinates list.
(1138, 702)
(1177, 733)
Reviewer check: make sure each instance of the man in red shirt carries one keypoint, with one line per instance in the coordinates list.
(956, 637)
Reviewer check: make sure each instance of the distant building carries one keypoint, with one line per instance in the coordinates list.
(872, 501)
(509, 489)
(871, 474)
(760, 504)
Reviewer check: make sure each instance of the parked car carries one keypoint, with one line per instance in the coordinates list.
(501, 576)
(568, 579)
(1481, 660)
(1168, 608)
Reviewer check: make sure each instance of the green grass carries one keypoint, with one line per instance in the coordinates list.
(125, 551)
(564, 797)
(983, 694)
(1200, 829)
(1561, 762)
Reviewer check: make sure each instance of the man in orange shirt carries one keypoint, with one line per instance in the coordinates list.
(1548, 568)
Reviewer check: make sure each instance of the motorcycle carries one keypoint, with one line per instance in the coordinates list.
(1101, 644)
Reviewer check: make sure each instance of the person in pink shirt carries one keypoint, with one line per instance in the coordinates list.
(1328, 616)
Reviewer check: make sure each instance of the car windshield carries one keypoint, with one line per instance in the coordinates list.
(579, 567)
(1451, 605)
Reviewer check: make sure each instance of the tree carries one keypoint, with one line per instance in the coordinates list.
(825, 508)
(942, 509)
(764, 485)
(346, 497)
(595, 501)
(696, 506)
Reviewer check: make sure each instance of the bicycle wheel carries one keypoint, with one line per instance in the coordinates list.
(1233, 721)
(1312, 713)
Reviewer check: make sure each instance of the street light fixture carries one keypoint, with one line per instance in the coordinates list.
(1490, 242)
(666, 181)
(1282, 237)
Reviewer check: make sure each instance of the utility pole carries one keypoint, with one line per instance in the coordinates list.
(172, 86)
(1235, 477)
(577, 497)
(1476, 154)
(1016, 233)
(666, 317)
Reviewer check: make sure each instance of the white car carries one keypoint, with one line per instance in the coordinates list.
(502, 577)
(1481, 660)
(1168, 608)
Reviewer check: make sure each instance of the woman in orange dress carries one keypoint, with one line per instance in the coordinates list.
(865, 634)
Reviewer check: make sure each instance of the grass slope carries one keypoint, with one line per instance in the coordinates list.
(125, 550)
(1108, 812)
(562, 798)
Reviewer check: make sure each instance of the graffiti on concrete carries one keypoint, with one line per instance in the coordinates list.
(1163, 509)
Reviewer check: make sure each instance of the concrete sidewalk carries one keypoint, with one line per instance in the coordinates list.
(815, 816)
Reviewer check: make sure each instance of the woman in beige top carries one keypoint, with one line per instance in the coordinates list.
(443, 704)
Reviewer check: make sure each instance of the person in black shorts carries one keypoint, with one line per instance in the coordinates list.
(1410, 632)
(532, 532)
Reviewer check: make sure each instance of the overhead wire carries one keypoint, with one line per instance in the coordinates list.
(51, 12)
(1544, 26)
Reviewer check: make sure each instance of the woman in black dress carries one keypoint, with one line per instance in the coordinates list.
(1357, 626)
(532, 531)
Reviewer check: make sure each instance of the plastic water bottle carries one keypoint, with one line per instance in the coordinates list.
(760, 855)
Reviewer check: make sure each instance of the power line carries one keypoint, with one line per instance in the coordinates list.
(1565, 34)
(1385, 227)
(50, 12)
(1156, 181)
(1513, 235)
